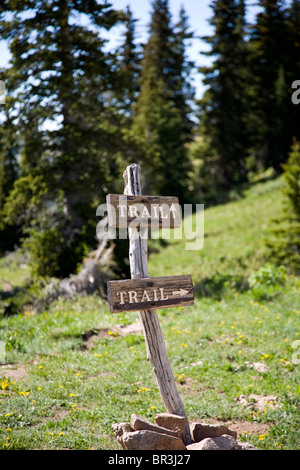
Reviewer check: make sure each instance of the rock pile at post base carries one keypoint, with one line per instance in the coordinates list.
(166, 433)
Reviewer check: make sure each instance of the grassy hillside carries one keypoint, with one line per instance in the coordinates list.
(69, 373)
(234, 237)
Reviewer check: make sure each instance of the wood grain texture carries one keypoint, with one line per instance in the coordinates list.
(147, 211)
(148, 294)
(155, 344)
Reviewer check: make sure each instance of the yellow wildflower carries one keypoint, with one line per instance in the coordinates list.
(4, 384)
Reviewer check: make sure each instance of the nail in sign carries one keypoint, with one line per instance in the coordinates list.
(150, 293)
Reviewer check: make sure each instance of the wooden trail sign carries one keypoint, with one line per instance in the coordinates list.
(154, 211)
(148, 294)
(156, 349)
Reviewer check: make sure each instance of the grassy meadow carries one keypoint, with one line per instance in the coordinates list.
(69, 373)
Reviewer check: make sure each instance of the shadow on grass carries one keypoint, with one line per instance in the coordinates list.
(216, 285)
(237, 190)
(12, 302)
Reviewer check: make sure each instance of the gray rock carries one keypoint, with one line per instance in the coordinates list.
(258, 366)
(170, 421)
(120, 428)
(246, 446)
(149, 440)
(138, 423)
(201, 431)
(224, 442)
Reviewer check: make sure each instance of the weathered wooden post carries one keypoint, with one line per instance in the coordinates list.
(144, 295)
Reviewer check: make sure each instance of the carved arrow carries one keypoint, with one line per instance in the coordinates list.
(180, 292)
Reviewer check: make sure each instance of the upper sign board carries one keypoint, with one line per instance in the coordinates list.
(143, 211)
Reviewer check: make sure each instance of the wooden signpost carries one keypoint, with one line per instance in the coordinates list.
(149, 294)
(143, 293)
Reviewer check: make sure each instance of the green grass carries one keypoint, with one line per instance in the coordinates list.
(75, 385)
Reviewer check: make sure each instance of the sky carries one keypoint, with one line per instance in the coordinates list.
(198, 12)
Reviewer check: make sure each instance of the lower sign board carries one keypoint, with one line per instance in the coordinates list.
(150, 293)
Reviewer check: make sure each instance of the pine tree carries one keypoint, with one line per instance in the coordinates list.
(224, 110)
(8, 159)
(9, 147)
(284, 242)
(293, 73)
(269, 65)
(129, 65)
(293, 20)
(161, 123)
(184, 92)
(59, 82)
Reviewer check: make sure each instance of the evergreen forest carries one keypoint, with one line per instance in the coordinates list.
(75, 113)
